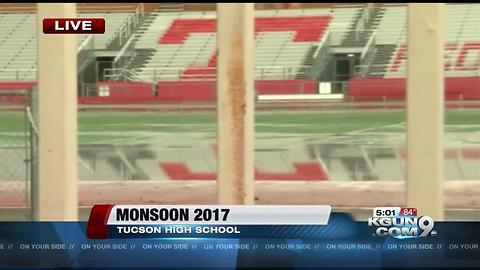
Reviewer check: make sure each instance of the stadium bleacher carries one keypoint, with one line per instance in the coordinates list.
(18, 44)
(462, 37)
(187, 41)
(462, 57)
(175, 46)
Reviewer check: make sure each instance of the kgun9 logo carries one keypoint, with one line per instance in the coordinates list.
(403, 227)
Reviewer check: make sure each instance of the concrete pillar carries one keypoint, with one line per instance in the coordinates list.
(425, 101)
(235, 97)
(56, 198)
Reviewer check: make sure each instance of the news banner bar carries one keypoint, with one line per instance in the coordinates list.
(209, 214)
(120, 221)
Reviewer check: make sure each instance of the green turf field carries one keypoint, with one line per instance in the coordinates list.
(104, 127)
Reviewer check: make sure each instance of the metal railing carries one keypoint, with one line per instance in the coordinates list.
(368, 52)
(323, 45)
(368, 48)
(85, 53)
(364, 17)
(337, 37)
(125, 55)
(124, 74)
(202, 73)
(321, 57)
(122, 35)
(88, 89)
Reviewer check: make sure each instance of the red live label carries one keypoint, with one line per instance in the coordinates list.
(73, 26)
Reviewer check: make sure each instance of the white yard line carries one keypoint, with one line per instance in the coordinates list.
(364, 130)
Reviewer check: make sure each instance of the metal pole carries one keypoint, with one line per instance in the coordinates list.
(32, 119)
(425, 101)
(57, 97)
(235, 37)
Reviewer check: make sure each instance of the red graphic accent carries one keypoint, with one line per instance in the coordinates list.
(303, 171)
(460, 65)
(408, 211)
(308, 29)
(97, 223)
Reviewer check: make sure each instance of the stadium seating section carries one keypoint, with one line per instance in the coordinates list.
(182, 60)
(305, 29)
(462, 35)
(184, 44)
(18, 43)
(310, 171)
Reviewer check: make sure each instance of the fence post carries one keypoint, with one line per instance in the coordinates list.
(425, 108)
(57, 198)
(235, 91)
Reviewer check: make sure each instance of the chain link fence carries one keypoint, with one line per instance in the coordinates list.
(18, 144)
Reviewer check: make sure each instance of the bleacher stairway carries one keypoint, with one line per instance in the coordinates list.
(141, 57)
(306, 70)
(354, 39)
(278, 52)
(382, 56)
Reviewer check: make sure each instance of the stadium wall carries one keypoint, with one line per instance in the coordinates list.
(394, 89)
(360, 89)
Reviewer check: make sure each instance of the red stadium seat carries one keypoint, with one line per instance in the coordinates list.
(303, 171)
(308, 29)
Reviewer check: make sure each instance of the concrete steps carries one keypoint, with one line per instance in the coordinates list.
(306, 72)
(142, 56)
(381, 59)
(354, 40)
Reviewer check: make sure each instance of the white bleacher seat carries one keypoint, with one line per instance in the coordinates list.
(272, 49)
(462, 25)
(18, 44)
